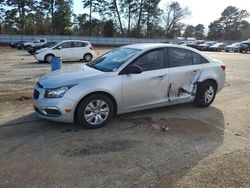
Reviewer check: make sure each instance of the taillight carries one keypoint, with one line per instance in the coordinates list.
(223, 67)
(91, 48)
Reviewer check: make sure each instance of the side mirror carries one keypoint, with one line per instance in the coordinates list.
(59, 47)
(133, 69)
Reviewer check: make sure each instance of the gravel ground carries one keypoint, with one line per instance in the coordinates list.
(176, 146)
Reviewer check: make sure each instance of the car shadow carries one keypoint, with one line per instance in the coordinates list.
(153, 147)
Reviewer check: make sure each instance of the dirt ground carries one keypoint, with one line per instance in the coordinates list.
(176, 146)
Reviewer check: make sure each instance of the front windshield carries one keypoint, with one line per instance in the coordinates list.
(218, 44)
(113, 60)
(52, 44)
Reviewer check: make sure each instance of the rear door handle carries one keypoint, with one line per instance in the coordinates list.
(161, 77)
(196, 70)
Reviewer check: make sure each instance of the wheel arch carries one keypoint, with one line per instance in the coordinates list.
(47, 55)
(211, 80)
(96, 92)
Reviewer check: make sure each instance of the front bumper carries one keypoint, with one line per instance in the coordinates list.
(54, 109)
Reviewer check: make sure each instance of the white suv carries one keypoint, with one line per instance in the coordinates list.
(68, 50)
(38, 42)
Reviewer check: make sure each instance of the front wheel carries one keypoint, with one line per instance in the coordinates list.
(205, 93)
(48, 58)
(95, 111)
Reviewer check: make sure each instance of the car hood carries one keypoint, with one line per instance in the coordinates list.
(215, 46)
(203, 45)
(232, 46)
(75, 75)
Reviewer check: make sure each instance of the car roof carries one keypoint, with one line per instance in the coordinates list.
(74, 41)
(146, 46)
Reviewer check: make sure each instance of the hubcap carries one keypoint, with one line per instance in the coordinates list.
(87, 58)
(48, 58)
(209, 94)
(96, 112)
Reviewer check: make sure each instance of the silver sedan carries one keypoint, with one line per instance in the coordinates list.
(130, 78)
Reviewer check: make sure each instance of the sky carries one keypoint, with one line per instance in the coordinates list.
(202, 11)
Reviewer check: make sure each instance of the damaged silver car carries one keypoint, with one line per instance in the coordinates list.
(130, 78)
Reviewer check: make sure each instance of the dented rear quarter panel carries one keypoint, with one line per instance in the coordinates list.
(213, 71)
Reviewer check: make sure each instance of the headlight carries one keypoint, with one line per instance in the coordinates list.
(57, 92)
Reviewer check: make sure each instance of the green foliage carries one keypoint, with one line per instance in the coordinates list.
(199, 31)
(62, 17)
(108, 29)
(230, 26)
(130, 18)
(189, 31)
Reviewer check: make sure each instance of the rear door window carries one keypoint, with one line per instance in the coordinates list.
(198, 59)
(179, 57)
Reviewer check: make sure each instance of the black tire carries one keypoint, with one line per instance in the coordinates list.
(204, 89)
(87, 57)
(48, 57)
(82, 110)
(27, 47)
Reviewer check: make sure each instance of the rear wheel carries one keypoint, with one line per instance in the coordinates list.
(87, 57)
(95, 111)
(205, 93)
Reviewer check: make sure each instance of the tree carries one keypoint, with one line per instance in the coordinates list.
(231, 19)
(172, 16)
(21, 8)
(93, 6)
(111, 9)
(2, 12)
(189, 31)
(48, 8)
(215, 30)
(129, 10)
(199, 31)
(108, 29)
(79, 24)
(152, 12)
(230, 25)
(245, 32)
(62, 16)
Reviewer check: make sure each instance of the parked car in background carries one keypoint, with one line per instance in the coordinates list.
(218, 47)
(68, 50)
(195, 44)
(244, 46)
(19, 44)
(130, 78)
(205, 46)
(233, 47)
(38, 42)
(32, 50)
(15, 44)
